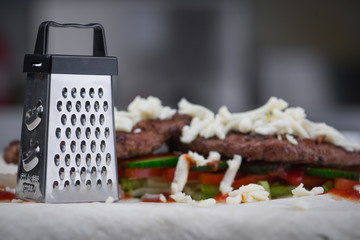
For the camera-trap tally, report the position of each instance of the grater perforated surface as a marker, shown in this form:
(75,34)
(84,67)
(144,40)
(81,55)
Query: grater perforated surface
(81,160)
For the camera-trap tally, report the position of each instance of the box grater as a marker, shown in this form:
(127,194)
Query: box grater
(67,151)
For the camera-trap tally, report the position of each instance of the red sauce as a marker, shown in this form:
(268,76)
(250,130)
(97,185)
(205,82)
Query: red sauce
(221,198)
(347,194)
(6,196)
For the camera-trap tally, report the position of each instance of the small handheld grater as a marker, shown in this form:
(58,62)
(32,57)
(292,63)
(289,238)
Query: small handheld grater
(67,151)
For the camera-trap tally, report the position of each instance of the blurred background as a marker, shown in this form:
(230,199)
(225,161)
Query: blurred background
(214,53)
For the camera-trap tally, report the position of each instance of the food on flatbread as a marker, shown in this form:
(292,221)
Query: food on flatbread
(280,150)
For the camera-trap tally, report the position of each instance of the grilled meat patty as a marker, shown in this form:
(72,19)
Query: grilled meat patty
(149,135)
(271,149)
(153,134)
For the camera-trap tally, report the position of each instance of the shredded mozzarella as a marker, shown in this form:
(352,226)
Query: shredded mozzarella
(229,176)
(273,118)
(181,174)
(248,193)
(141,109)
(300,191)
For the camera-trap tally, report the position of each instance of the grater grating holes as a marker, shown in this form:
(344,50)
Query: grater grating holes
(67,185)
(64,92)
(108,159)
(88,159)
(107,132)
(57,159)
(105,106)
(92,160)
(56,185)
(97,132)
(103,172)
(82,92)
(72,173)
(73,92)
(67,159)
(83,173)
(78,160)
(100,92)
(109,183)
(62,146)
(93,146)
(93,172)
(92,119)
(83,146)
(58,132)
(68,133)
(87,106)
(78,133)
(77,184)
(63,119)
(62,173)
(96,106)
(88,184)
(88,132)
(98,184)
(83,119)
(102,146)
(73,146)
(68,106)
(101,119)
(91,92)
(98,159)
(59,106)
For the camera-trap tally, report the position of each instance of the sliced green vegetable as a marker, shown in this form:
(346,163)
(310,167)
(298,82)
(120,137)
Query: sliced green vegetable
(328,185)
(265,185)
(205,191)
(129,185)
(281,191)
(332,173)
(217,166)
(258,168)
(155,161)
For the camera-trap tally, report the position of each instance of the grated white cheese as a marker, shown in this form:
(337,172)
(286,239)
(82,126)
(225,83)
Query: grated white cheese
(207,202)
(201,161)
(141,109)
(291,139)
(110,200)
(181,197)
(181,174)
(273,118)
(300,191)
(229,176)
(248,193)
(357,188)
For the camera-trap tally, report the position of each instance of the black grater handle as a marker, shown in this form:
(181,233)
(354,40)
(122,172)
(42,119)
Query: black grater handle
(99,44)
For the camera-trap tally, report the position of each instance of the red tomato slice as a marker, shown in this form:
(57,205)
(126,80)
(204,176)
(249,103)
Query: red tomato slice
(253,178)
(169,173)
(210,178)
(344,184)
(313,181)
(143,172)
(294,177)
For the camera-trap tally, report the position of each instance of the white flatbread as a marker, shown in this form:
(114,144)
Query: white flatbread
(319,217)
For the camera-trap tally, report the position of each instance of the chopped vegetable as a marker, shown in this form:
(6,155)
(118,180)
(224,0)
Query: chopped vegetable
(281,191)
(345,184)
(332,173)
(153,161)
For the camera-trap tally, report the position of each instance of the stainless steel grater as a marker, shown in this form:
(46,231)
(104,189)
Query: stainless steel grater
(67,151)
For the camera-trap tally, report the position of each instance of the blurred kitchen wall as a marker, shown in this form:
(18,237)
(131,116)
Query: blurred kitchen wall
(234,53)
